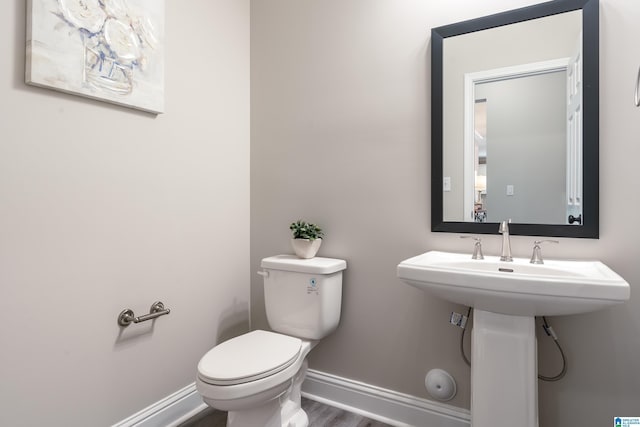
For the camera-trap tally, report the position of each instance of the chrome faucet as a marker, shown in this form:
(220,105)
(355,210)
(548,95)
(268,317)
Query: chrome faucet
(506,245)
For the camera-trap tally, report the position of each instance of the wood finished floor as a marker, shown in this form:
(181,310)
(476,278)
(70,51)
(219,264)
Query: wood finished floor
(320,415)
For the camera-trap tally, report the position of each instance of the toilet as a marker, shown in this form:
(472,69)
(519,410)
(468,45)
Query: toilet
(257,376)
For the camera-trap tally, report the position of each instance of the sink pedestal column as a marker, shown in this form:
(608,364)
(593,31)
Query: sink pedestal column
(504,371)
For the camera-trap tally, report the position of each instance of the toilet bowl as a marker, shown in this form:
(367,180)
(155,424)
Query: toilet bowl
(259,387)
(257,376)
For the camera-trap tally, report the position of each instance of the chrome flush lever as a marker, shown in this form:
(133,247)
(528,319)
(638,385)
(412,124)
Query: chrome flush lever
(637,94)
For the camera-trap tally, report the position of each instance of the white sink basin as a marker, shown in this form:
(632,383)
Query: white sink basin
(519,288)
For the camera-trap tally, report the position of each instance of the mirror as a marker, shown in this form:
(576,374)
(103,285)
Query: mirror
(515,121)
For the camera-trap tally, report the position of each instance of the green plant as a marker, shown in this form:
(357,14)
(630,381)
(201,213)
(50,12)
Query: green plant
(305,230)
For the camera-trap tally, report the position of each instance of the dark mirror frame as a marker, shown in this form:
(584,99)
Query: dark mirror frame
(590,130)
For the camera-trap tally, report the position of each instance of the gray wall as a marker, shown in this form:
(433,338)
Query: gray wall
(340,135)
(146,208)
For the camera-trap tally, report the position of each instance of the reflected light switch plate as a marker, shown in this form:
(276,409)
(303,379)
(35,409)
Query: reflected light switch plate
(446,183)
(509,190)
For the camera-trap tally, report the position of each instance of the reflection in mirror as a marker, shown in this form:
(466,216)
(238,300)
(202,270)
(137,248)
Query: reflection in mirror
(508,96)
(518,149)
(479,146)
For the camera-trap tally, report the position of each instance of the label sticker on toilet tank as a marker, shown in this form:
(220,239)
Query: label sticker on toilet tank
(312,287)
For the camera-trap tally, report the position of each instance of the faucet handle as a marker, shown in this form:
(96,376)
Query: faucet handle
(536,257)
(477,247)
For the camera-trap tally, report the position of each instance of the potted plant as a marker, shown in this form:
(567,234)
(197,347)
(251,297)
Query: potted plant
(307,238)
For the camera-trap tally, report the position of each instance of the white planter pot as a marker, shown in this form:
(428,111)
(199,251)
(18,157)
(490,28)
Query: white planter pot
(305,248)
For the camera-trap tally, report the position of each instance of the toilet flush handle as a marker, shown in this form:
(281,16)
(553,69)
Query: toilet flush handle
(263,273)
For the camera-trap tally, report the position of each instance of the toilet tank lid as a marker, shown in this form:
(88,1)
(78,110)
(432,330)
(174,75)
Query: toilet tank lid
(316,265)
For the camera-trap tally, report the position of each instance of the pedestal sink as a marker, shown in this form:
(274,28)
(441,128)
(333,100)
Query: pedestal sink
(506,297)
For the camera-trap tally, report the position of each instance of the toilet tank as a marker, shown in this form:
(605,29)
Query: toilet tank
(303,297)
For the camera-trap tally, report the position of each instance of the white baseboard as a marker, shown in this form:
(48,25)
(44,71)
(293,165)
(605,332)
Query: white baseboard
(168,412)
(397,409)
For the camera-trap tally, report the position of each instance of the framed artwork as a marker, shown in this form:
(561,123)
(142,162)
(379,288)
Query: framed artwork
(111,50)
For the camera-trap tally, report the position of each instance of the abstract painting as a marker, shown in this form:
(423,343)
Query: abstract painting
(111,50)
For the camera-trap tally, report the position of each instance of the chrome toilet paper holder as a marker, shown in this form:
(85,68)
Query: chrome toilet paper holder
(126,316)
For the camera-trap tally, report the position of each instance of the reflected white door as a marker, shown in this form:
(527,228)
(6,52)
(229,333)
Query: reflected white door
(574,134)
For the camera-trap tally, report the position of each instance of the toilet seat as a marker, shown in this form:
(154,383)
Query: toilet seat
(249,357)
